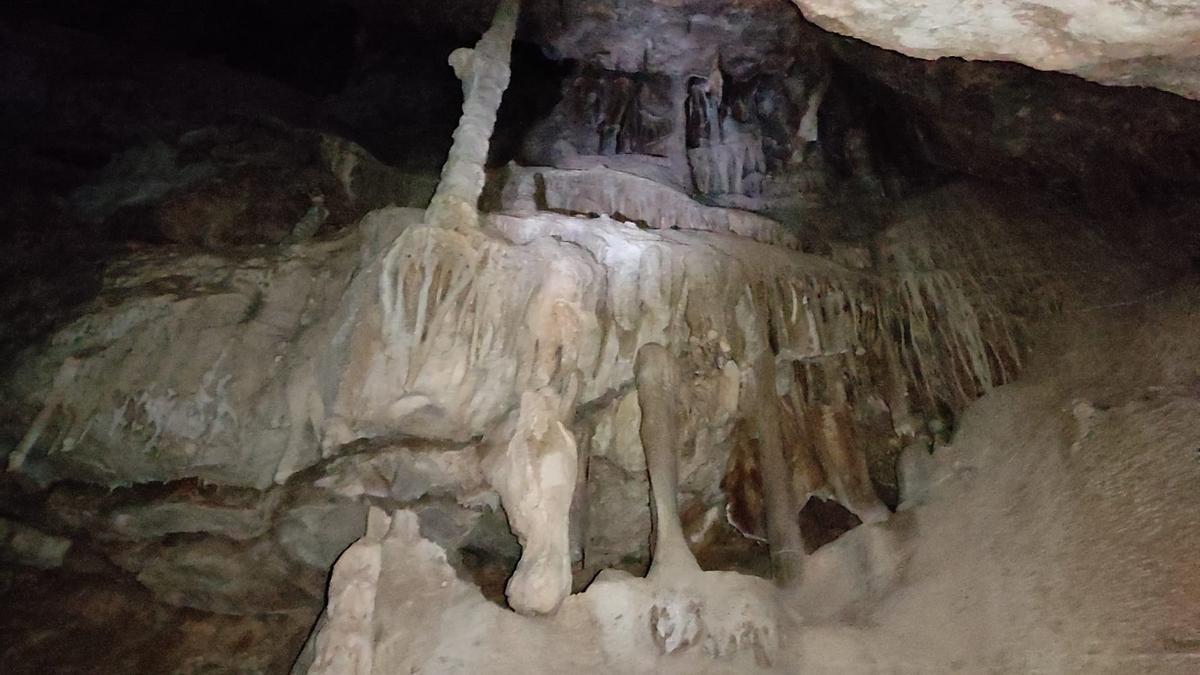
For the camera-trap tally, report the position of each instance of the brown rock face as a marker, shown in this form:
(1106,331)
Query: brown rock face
(1108,147)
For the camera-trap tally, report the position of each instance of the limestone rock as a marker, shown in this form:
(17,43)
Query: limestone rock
(139,176)
(396,605)
(418,339)
(24,545)
(605,191)
(1154,44)
(156,519)
(369,183)
(915,469)
(407,474)
(1005,123)
(210,573)
(317,533)
(678,37)
(220,411)
(428,337)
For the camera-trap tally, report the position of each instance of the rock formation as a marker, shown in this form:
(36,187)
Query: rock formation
(484,72)
(1153,44)
(761,355)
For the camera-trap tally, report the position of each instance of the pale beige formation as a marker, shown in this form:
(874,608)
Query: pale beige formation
(601,190)
(485,72)
(508,333)
(1041,544)
(54,398)
(1155,43)
(533,467)
(590,356)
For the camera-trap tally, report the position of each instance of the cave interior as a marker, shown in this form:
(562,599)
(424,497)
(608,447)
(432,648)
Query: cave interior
(817,342)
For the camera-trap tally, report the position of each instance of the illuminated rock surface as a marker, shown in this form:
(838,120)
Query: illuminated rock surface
(726,345)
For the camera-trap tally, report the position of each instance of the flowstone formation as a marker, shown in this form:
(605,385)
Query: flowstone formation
(727,365)
(513,344)
(682,614)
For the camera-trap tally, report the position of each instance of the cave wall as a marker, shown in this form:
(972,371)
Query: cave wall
(277,385)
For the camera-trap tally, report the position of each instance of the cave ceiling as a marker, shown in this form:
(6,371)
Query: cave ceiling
(661,36)
(1150,43)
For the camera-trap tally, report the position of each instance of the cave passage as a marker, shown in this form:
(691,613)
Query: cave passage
(343,336)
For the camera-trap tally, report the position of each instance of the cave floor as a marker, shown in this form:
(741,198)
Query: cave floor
(86,618)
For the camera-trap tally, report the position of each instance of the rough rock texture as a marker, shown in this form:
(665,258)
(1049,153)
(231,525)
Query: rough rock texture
(422,333)
(1006,123)
(229,185)
(1080,476)
(177,420)
(683,37)
(24,545)
(736,137)
(209,573)
(90,619)
(395,605)
(1082,479)
(485,73)
(1153,44)
(629,197)
(244,408)
(843,122)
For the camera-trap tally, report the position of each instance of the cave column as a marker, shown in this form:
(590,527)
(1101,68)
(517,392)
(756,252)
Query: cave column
(783,527)
(657,377)
(485,72)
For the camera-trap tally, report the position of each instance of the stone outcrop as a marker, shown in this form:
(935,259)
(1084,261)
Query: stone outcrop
(1005,123)
(241,183)
(1080,476)
(395,604)
(411,332)
(1066,457)
(632,198)
(603,366)
(24,545)
(735,136)
(689,36)
(485,73)
(1150,44)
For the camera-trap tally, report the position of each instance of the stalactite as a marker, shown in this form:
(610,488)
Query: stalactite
(485,74)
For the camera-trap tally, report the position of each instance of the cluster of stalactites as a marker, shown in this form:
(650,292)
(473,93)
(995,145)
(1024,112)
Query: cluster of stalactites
(469,326)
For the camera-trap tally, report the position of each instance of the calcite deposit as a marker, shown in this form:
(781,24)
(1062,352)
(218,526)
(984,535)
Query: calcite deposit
(732,360)
(1150,44)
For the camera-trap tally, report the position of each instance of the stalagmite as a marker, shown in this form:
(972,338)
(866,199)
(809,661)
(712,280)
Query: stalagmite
(533,468)
(342,645)
(485,73)
(723,612)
